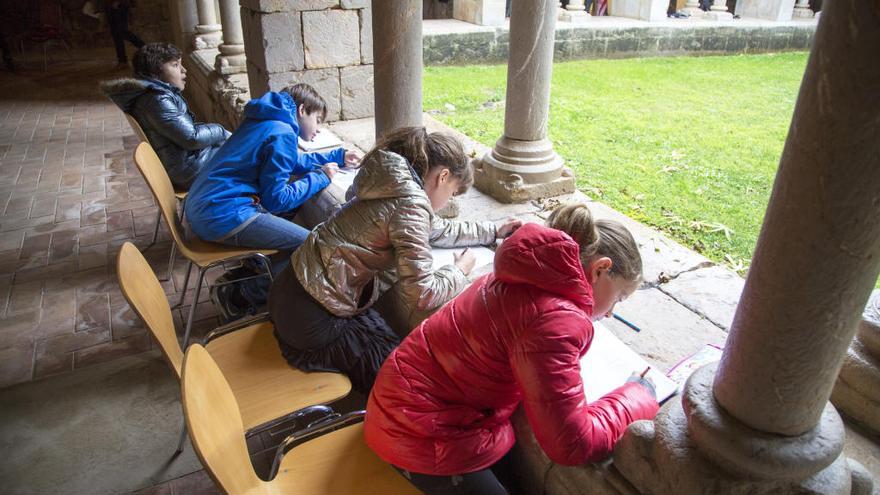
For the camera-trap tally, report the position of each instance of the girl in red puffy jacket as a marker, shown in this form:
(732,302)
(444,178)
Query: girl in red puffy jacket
(441,405)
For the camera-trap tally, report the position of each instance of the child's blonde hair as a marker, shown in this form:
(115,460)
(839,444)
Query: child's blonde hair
(425,151)
(598,238)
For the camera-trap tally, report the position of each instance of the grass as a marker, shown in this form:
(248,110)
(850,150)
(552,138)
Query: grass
(688,145)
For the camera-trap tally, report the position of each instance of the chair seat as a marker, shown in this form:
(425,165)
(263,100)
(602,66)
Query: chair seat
(204,253)
(338,463)
(264,384)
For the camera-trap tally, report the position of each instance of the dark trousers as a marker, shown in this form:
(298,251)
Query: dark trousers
(313,339)
(118,22)
(477,483)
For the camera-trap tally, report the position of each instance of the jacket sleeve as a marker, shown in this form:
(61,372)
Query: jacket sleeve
(278,161)
(546,365)
(311,161)
(164,117)
(451,233)
(423,287)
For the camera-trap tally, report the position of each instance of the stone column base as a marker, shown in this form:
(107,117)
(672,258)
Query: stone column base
(695,447)
(802,13)
(231,59)
(718,15)
(207,36)
(694,12)
(574,16)
(857,390)
(517,171)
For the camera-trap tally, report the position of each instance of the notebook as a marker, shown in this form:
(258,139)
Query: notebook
(325,140)
(445,256)
(609,362)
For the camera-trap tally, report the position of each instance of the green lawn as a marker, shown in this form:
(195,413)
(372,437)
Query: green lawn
(689,145)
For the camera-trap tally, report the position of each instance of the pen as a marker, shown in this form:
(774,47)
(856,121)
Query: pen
(645,372)
(626,322)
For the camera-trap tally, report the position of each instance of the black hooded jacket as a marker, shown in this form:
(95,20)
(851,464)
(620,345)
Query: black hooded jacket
(183,145)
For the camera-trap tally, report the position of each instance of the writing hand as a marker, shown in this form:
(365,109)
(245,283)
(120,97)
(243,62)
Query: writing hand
(352,159)
(330,169)
(465,261)
(507,227)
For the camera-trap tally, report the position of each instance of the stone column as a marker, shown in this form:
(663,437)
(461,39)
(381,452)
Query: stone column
(802,10)
(397,64)
(523,165)
(857,391)
(231,59)
(718,11)
(692,8)
(185,16)
(762,422)
(575,12)
(207,31)
(771,10)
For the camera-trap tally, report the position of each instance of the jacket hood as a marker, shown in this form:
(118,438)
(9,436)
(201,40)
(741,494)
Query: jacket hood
(546,258)
(273,106)
(387,175)
(124,91)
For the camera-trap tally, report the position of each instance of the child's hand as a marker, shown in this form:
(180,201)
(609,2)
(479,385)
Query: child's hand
(506,228)
(643,381)
(352,159)
(330,170)
(465,261)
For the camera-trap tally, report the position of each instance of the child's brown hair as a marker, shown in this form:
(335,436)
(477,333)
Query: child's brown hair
(598,238)
(424,151)
(307,97)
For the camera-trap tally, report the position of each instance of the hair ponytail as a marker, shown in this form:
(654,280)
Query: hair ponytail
(598,238)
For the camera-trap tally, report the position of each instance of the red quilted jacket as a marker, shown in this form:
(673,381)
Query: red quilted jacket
(442,402)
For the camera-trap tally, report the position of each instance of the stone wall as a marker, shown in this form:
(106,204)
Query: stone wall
(491,45)
(326,43)
(211,96)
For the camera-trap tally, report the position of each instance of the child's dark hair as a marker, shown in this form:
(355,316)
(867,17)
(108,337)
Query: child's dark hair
(305,96)
(148,59)
(598,238)
(425,151)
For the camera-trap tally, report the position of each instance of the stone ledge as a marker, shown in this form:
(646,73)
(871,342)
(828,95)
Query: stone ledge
(712,292)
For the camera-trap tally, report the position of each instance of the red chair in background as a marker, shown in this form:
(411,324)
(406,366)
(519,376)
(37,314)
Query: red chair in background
(47,27)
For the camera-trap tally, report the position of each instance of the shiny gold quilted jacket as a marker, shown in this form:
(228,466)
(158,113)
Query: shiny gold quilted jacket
(389,224)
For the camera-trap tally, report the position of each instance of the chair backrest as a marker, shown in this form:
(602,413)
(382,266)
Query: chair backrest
(136,127)
(214,423)
(144,294)
(154,173)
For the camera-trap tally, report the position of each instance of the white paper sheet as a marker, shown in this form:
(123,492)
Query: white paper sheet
(609,362)
(323,141)
(444,256)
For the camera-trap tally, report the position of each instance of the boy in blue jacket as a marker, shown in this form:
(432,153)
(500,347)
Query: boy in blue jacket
(237,198)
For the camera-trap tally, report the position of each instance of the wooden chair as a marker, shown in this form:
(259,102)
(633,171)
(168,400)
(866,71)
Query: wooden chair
(267,387)
(332,458)
(204,255)
(179,194)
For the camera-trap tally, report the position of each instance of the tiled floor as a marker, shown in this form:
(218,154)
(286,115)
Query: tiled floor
(70,196)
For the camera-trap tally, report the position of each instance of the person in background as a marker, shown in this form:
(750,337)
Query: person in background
(440,409)
(153,97)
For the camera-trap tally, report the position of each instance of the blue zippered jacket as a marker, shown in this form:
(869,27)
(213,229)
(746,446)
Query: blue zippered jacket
(256,164)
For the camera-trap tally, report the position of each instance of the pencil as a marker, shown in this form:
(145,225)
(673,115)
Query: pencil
(626,322)
(645,372)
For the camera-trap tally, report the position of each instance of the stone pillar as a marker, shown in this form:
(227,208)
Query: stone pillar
(575,12)
(207,31)
(718,11)
(523,165)
(231,59)
(325,43)
(762,422)
(802,10)
(185,16)
(857,390)
(772,10)
(480,12)
(397,57)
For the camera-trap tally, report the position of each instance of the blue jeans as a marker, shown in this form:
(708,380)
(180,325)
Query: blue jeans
(267,232)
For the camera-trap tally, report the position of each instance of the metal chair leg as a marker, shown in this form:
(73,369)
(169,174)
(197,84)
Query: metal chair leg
(182,439)
(192,308)
(171,261)
(185,284)
(155,231)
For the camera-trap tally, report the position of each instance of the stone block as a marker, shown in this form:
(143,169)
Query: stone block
(480,12)
(646,10)
(356,91)
(713,292)
(273,42)
(325,82)
(771,10)
(269,6)
(366,20)
(331,38)
(355,4)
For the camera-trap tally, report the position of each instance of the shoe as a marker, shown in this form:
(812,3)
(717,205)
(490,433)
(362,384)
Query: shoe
(223,297)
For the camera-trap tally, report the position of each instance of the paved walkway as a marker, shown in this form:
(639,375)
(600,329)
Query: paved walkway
(70,196)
